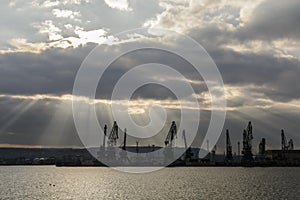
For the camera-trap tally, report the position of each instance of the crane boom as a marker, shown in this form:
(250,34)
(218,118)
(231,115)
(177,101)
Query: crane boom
(113,136)
(171,134)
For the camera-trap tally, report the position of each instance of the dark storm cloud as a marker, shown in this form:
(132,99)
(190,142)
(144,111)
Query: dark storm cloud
(275,76)
(278,76)
(273,20)
(52,71)
(136,58)
(269,21)
(237,69)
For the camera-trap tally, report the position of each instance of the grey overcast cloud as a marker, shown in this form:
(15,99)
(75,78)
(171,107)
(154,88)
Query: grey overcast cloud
(254,43)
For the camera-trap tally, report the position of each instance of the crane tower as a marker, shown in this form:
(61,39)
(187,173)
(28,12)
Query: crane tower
(285,146)
(168,152)
(247,143)
(113,136)
(228,147)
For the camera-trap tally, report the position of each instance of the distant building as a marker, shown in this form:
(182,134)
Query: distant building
(289,157)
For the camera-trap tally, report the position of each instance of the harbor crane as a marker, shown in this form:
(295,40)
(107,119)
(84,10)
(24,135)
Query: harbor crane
(113,136)
(239,148)
(171,134)
(284,145)
(184,138)
(247,143)
(168,152)
(104,137)
(125,138)
(228,147)
(262,147)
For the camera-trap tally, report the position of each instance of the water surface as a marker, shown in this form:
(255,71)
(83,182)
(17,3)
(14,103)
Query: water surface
(49,182)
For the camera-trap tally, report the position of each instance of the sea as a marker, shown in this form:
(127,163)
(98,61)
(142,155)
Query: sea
(50,182)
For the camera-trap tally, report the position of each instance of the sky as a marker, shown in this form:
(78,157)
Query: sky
(255,45)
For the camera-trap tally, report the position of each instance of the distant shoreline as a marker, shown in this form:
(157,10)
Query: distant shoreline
(83,158)
(59,166)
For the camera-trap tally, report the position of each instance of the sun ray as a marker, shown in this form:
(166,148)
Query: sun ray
(17,116)
(58,125)
(16,109)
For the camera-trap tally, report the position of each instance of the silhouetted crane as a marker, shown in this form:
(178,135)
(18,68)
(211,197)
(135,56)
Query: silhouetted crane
(291,145)
(247,143)
(105,133)
(284,145)
(113,136)
(228,147)
(171,134)
(262,146)
(124,142)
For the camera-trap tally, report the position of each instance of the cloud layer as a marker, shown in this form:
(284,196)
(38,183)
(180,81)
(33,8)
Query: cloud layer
(255,44)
